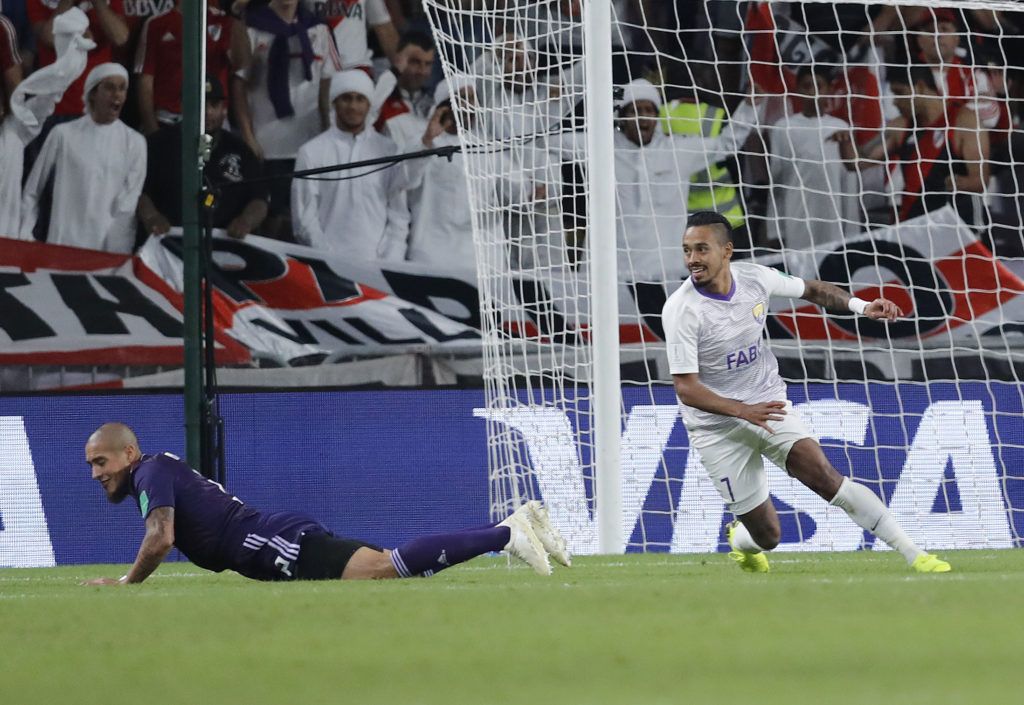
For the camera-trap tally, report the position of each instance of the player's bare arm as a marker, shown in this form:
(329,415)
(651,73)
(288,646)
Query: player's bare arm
(693,393)
(831,297)
(156,544)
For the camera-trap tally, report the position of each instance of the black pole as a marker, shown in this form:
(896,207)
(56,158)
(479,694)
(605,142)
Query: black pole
(212,424)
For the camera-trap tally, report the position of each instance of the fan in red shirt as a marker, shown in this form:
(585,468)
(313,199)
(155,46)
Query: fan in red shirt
(159,58)
(943,152)
(107,27)
(136,12)
(938,43)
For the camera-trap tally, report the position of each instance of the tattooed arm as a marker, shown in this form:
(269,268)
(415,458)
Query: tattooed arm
(831,297)
(156,544)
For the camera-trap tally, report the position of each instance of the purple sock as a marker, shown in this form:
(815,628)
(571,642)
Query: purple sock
(427,555)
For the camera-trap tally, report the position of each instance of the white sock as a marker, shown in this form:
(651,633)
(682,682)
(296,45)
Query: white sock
(743,541)
(868,512)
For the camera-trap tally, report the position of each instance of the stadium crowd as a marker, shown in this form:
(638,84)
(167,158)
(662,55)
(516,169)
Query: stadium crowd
(873,115)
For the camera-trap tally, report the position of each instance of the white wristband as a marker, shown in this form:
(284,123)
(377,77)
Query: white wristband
(858,305)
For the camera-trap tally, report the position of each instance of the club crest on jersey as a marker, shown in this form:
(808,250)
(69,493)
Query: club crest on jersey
(759,311)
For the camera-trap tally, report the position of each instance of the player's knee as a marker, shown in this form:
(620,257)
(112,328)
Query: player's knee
(385,568)
(824,481)
(808,464)
(369,564)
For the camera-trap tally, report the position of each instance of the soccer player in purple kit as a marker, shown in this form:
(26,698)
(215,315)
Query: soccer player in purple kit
(217,531)
(734,401)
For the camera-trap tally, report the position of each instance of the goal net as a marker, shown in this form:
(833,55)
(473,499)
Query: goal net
(871,146)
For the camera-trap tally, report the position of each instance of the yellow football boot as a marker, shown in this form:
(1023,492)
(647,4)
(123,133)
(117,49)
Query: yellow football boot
(751,562)
(928,563)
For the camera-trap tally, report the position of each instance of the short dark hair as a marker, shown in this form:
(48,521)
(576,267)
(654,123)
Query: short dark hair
(700,218)
(911,74)
(421,39)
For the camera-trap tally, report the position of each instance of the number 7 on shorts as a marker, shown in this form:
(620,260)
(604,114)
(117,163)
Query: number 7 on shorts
(728,486)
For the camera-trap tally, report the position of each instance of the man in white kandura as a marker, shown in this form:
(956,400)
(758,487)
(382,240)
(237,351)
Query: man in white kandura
(99,166)
(29,102)
(734,401)
(360,214)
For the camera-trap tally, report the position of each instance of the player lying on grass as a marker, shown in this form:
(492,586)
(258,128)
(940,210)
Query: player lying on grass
(218,532)
(734,401)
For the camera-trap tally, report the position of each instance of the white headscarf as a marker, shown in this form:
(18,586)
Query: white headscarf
(98,74)
(639,89)
(351,81)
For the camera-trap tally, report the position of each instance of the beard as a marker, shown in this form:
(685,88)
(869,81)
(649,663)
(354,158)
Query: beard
(118,494)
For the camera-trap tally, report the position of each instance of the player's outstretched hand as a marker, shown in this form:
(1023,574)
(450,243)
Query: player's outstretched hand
(761,414)
(883,310)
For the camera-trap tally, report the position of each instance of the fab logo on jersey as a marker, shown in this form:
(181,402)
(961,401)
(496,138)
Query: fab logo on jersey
(743,356)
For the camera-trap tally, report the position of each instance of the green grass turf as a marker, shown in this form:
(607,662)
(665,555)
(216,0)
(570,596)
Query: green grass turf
(821,628)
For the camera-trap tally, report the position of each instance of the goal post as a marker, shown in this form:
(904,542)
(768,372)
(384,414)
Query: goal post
(871,146)
(604,300)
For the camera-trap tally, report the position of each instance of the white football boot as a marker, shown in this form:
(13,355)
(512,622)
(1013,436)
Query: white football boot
(552,541)
(524,544)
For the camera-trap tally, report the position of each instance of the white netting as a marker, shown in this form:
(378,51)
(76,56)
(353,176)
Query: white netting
(866,145)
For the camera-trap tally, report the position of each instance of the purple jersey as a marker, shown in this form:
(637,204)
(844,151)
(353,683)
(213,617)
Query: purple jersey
(215,530)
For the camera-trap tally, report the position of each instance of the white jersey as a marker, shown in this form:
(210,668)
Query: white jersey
(721,338)
(281,137)
(348,20)
(814,197)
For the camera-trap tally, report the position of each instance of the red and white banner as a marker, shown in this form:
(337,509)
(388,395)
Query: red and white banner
(65,306)
(293,305)
(949,285)
(61,305)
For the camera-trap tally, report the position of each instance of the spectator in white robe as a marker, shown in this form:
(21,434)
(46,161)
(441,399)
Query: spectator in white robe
(652,175)
(516,98)
(363,213)
(813,200)
(519,106)
(32,101)
(99,166)
(442,222)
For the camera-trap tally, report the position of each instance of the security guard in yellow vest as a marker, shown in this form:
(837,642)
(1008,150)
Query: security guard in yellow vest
(712,189)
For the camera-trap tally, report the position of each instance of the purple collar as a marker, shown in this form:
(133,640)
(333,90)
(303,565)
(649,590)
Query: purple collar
(717,297)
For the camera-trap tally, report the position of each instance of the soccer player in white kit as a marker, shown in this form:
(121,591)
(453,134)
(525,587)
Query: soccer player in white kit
(734,401)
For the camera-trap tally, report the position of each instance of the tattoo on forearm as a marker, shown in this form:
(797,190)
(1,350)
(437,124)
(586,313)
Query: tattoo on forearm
(826,295)
(159,525)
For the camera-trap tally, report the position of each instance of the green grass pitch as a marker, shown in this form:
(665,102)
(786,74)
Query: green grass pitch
(821,628)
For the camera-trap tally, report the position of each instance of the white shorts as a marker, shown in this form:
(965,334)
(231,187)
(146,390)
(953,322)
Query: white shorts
(733,457)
